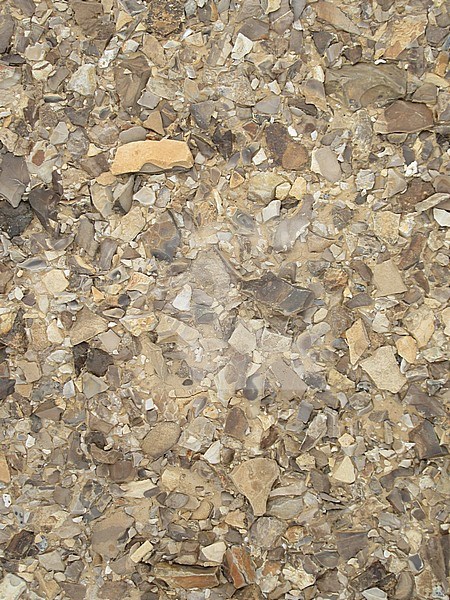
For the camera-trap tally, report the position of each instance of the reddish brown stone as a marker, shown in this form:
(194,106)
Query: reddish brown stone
(187,577)
(239,566)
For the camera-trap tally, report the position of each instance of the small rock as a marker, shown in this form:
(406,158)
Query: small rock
(187,577)
(407,348)
(55,281)
(214,552)
(12,587)
(7,387)
(87,326)
(329,12)
(162,238)
(262,186)
(426,441)
(5,476)
(325,163)
(254,479)
(239,566)
(358,340)
(107,532)
(384,370)
(420,323)
(344,471)
(162,437)
(387,279)
(152,157)
(142,553)
(84,80)
(405,117)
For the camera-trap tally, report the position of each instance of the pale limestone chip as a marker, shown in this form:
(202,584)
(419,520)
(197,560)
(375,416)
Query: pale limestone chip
(169,328)
(162,155)
(84,80)
(214,552)
(386,225)
(299,577)
(129,225)
(407,348)
(254,479)
(162,437)
(242,47)
(388,279)
(324,162)
(137,322)
(5,476)
(272,6)
(55,281)
(420,324)
(344,471)
(12,587)
(86,326)
(107,532)
(446,320)
(142,553)
(383,369)
(242,340)
(358,340)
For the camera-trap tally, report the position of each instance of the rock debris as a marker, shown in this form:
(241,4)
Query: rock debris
(224,299)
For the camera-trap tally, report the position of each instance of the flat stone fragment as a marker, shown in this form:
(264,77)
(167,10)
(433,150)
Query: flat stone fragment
(420,323)
(142,553)
(107,532)
(5,476)
(84,80)
(387,279)
(383,369)
(187,577)
(345,471)
(358,340)
(55,281)
(12,587)
(407,348)
(262,186)
(254,478)
(405,117)
(324,162)
(214,552)
(162,238)
(251,592)
(161,438)
(160,155)
(363,84)
(279,294)
(86,326)
(240,567)
(426,441)
(329,12)
(14,178)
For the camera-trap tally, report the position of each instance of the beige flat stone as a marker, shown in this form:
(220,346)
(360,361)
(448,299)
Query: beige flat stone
(5,476)
(420,324)
(387,279)
(358,341)
(87,325)
(407,348)
(161,155)
(254,478)
(383,369)
(344,471)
